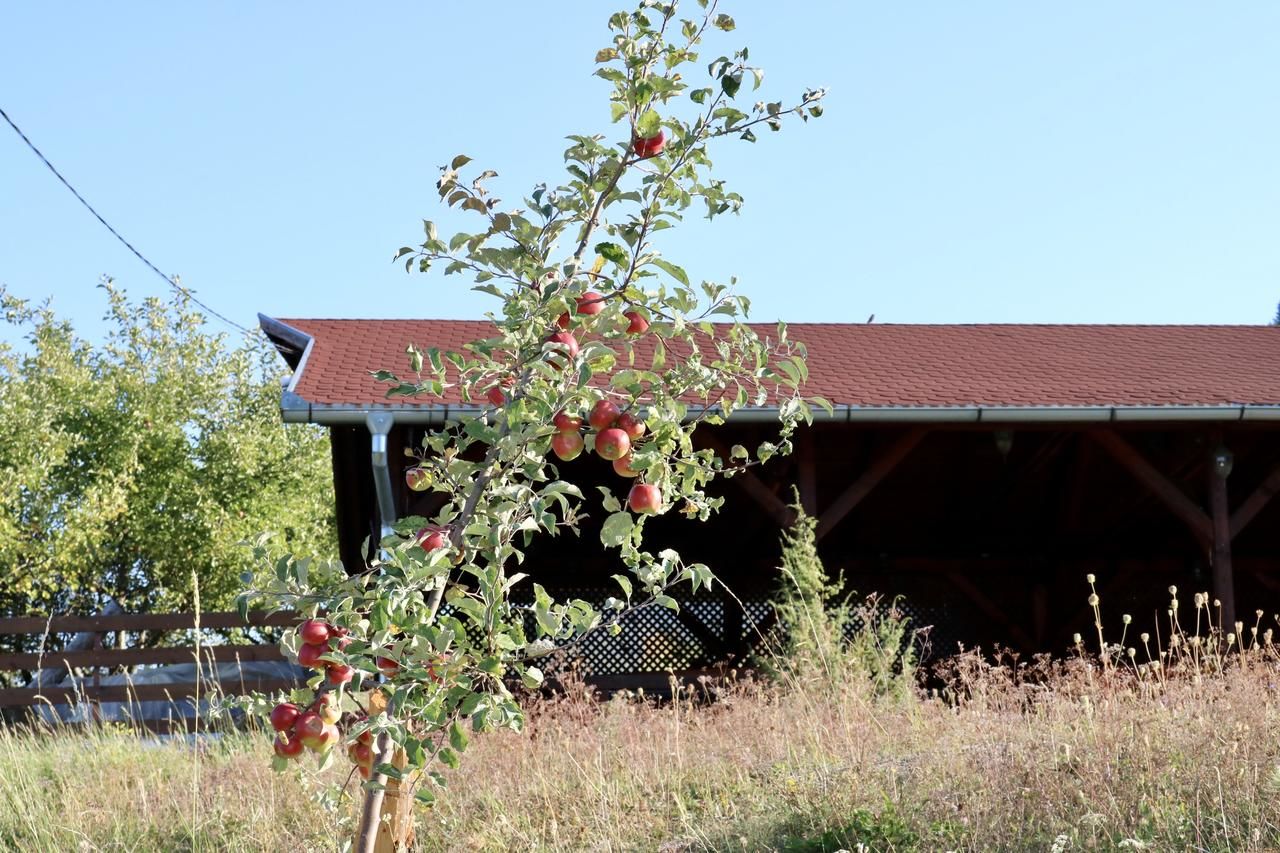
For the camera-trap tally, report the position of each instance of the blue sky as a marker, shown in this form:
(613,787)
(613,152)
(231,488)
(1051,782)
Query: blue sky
(978,162)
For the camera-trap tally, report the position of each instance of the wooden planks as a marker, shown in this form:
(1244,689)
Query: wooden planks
(143,622)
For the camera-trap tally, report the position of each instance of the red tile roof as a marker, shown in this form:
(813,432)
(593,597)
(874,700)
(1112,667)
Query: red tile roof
(872,365)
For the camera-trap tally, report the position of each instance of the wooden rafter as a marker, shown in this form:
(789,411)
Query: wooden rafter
(1173,497)
(1255,502)
(991,609)
(861,487)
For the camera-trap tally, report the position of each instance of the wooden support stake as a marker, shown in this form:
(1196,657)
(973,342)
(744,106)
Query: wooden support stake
(1224,584)
(861,487)
(1165,489)
(1255,502)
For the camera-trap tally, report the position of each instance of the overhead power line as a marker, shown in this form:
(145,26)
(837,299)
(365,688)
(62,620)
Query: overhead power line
(171,280)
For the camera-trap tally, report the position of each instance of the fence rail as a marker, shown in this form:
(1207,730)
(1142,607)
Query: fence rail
(88,689)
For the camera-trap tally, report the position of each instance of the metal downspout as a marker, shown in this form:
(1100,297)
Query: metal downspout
(380,424)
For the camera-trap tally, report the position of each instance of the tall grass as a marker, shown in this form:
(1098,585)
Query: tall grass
(1166,740)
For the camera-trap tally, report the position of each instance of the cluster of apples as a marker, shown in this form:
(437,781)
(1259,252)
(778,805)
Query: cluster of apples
(318,639)
(314,727)
(319,727)
(615,432)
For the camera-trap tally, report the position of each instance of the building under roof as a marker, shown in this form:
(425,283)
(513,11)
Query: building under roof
(979,471)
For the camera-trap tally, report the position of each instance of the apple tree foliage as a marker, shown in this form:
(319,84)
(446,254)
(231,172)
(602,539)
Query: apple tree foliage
(126,466)
(446,617)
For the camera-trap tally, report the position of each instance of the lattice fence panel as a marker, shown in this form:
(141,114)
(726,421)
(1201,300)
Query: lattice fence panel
(656,639)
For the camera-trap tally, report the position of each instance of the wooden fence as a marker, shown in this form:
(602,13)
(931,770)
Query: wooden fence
(91,662)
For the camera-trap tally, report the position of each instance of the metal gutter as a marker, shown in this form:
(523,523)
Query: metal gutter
(297,410)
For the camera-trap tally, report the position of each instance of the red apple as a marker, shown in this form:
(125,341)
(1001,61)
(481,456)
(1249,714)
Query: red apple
(612,443)
(497,394)
(309,725)
(603,414)
(590,303)
(648,146)
(631,425)
(309,656)
(417,479)
(622,465)
(645,498)
(315,632)
(566,423)
(361,754)
(432,538)
(340,673)
(638,325)
(287,747)
(284,715)
(365,771)
(328,736)
(567,445)
(326,706)
(563,320)
(435,669)
(566,340)
(388,666)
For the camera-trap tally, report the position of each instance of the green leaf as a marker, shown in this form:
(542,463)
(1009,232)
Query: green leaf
(459,161)
(724,22)
(612,252)
(457,737)
(672,270)
(617,110)
(667,602)
(648,124)
(625,583)
(616,529)
(606,54)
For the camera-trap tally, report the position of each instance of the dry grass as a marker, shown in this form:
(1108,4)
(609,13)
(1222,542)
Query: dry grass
(1088,761)
(1097,752)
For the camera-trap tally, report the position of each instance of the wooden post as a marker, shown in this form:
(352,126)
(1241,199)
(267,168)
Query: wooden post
(1224,586)
(807,470)
(395,833)
(394,814)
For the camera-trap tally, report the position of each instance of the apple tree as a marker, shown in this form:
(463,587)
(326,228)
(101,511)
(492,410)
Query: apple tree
(600,344)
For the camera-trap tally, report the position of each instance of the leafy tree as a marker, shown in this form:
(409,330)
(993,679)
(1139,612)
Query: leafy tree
(127,466)
(594,324)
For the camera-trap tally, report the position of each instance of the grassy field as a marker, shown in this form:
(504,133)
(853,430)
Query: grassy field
(1070,756)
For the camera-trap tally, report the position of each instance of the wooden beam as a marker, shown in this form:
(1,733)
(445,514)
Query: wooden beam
(807,470)
(1164,488)
(1224,582)
(1255,502)
(991,609)
(861,487)
(747,480)
(1266,580)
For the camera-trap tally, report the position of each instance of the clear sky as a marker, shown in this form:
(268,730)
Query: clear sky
(978,162)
